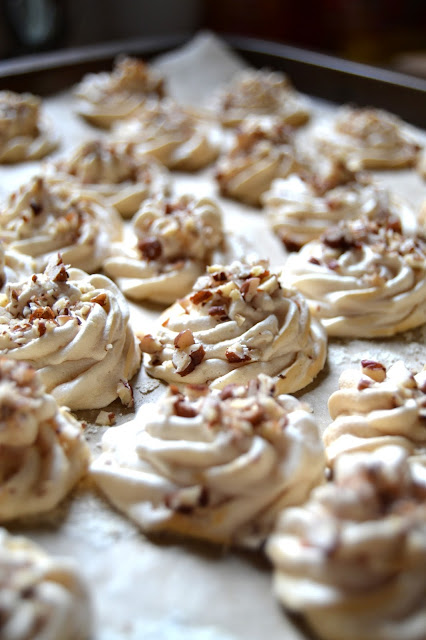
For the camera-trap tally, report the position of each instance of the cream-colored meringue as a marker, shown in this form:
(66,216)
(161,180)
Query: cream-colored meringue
(375,407)
(261,152)
(24,135)
(45,216)
(42,450)
(367,138)
(264,94)
(173,135)
(13,266)
(176,239)
(299,212)
(74,328)
(41,597)
(213,465)
(352,560)
(363,278)
(239,321)
(108,97)
(114,171)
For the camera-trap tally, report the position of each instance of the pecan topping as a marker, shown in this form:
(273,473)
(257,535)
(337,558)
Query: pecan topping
(150,248)
(183,409)
(196,357)
(42,312)
(233,357)
(148,344)
(337,238)
(374,370)
(218,311)
(201,296)
(184,339)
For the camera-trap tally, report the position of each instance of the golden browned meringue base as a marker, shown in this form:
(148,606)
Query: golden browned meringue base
(218,466)
(42,449)
(264,94)
(239,321)
(74,328)
(375,407)
(42,597)
(261,153)
(352,560)
(368,138)
(46,216)
(115,172)
(176,239)
(363,279)
(108,97)
(24,135)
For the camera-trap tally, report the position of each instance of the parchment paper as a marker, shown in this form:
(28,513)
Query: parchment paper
(166,588)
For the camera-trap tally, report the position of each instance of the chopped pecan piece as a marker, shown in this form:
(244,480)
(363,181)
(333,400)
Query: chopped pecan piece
(148,344)
(101,299)
(150,248)
(201,296)
(42,312)
(374,370)
(196,357)
(184,339)
(234,358)
(183,409)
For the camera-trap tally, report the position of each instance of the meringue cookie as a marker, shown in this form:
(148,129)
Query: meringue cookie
(42,450)
(176,240)
(213,465)
(24,134)
(115,172)
(299,212)
(264,94)
(368,139)
(41,597)
(261,152)
(238,322)
(375,407)
(173,135)
(74,328)
(44,217)
(363,279)
(352,560)
(108,97)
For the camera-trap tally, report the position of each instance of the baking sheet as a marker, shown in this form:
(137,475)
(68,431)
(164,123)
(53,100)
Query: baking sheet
(148,589)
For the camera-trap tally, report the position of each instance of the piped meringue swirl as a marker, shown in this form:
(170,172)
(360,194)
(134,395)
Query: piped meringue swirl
(114,171)
(352,560)
(42,450)
(46,216)
(363,278)
(367,138)
(261,152)
(74,328)
(375,406)
(213,465)
(23,133)
(176,239)
(42,597)
(172,134)
(239,321)
(263,94)
(108,97)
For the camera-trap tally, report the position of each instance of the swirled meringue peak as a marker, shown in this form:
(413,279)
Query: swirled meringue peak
(176,239)
(74,328)
(46,216)
(172,134)
(239,321)
(213,465)
(42,450)
(13,266)
(41,597)
(261,152)
(375,406)
(108,97)
(114,171)
(300,208)
(23,133)
(363,278)
(263,94)
(366,138)
(353,558)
